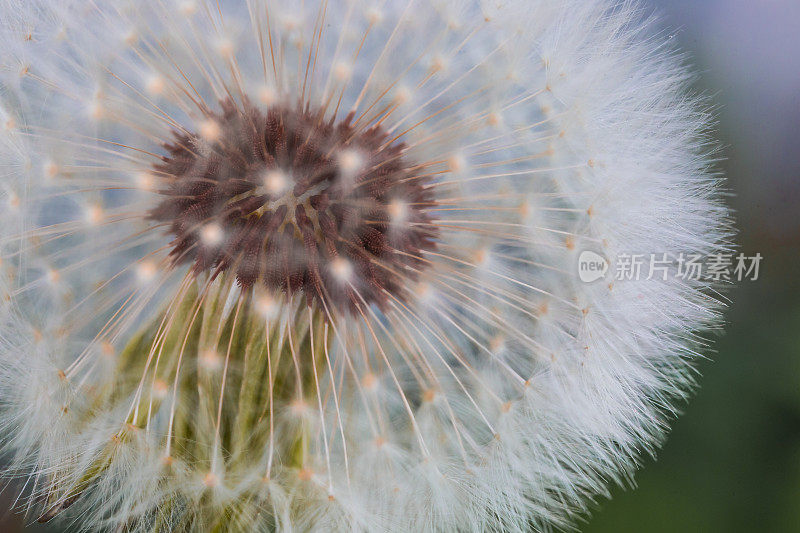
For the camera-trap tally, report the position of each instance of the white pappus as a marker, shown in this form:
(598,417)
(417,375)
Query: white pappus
(279,265)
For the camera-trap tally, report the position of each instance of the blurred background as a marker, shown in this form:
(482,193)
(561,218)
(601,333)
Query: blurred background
(732,461)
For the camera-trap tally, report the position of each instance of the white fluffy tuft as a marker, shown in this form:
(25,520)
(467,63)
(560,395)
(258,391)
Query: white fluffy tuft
(499,393)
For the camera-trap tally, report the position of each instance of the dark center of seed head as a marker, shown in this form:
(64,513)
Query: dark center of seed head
(295,202)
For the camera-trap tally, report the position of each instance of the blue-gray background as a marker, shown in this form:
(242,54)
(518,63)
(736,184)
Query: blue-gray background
(732,462)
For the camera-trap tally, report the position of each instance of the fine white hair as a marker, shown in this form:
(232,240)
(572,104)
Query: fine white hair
(496,391)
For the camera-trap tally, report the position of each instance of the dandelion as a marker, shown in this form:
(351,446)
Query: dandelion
(280,265)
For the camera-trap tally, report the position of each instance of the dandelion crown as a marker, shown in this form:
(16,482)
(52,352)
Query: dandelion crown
(271,265)
(295,202)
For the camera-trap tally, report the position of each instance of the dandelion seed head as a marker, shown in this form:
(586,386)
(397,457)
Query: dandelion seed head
(271,265)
